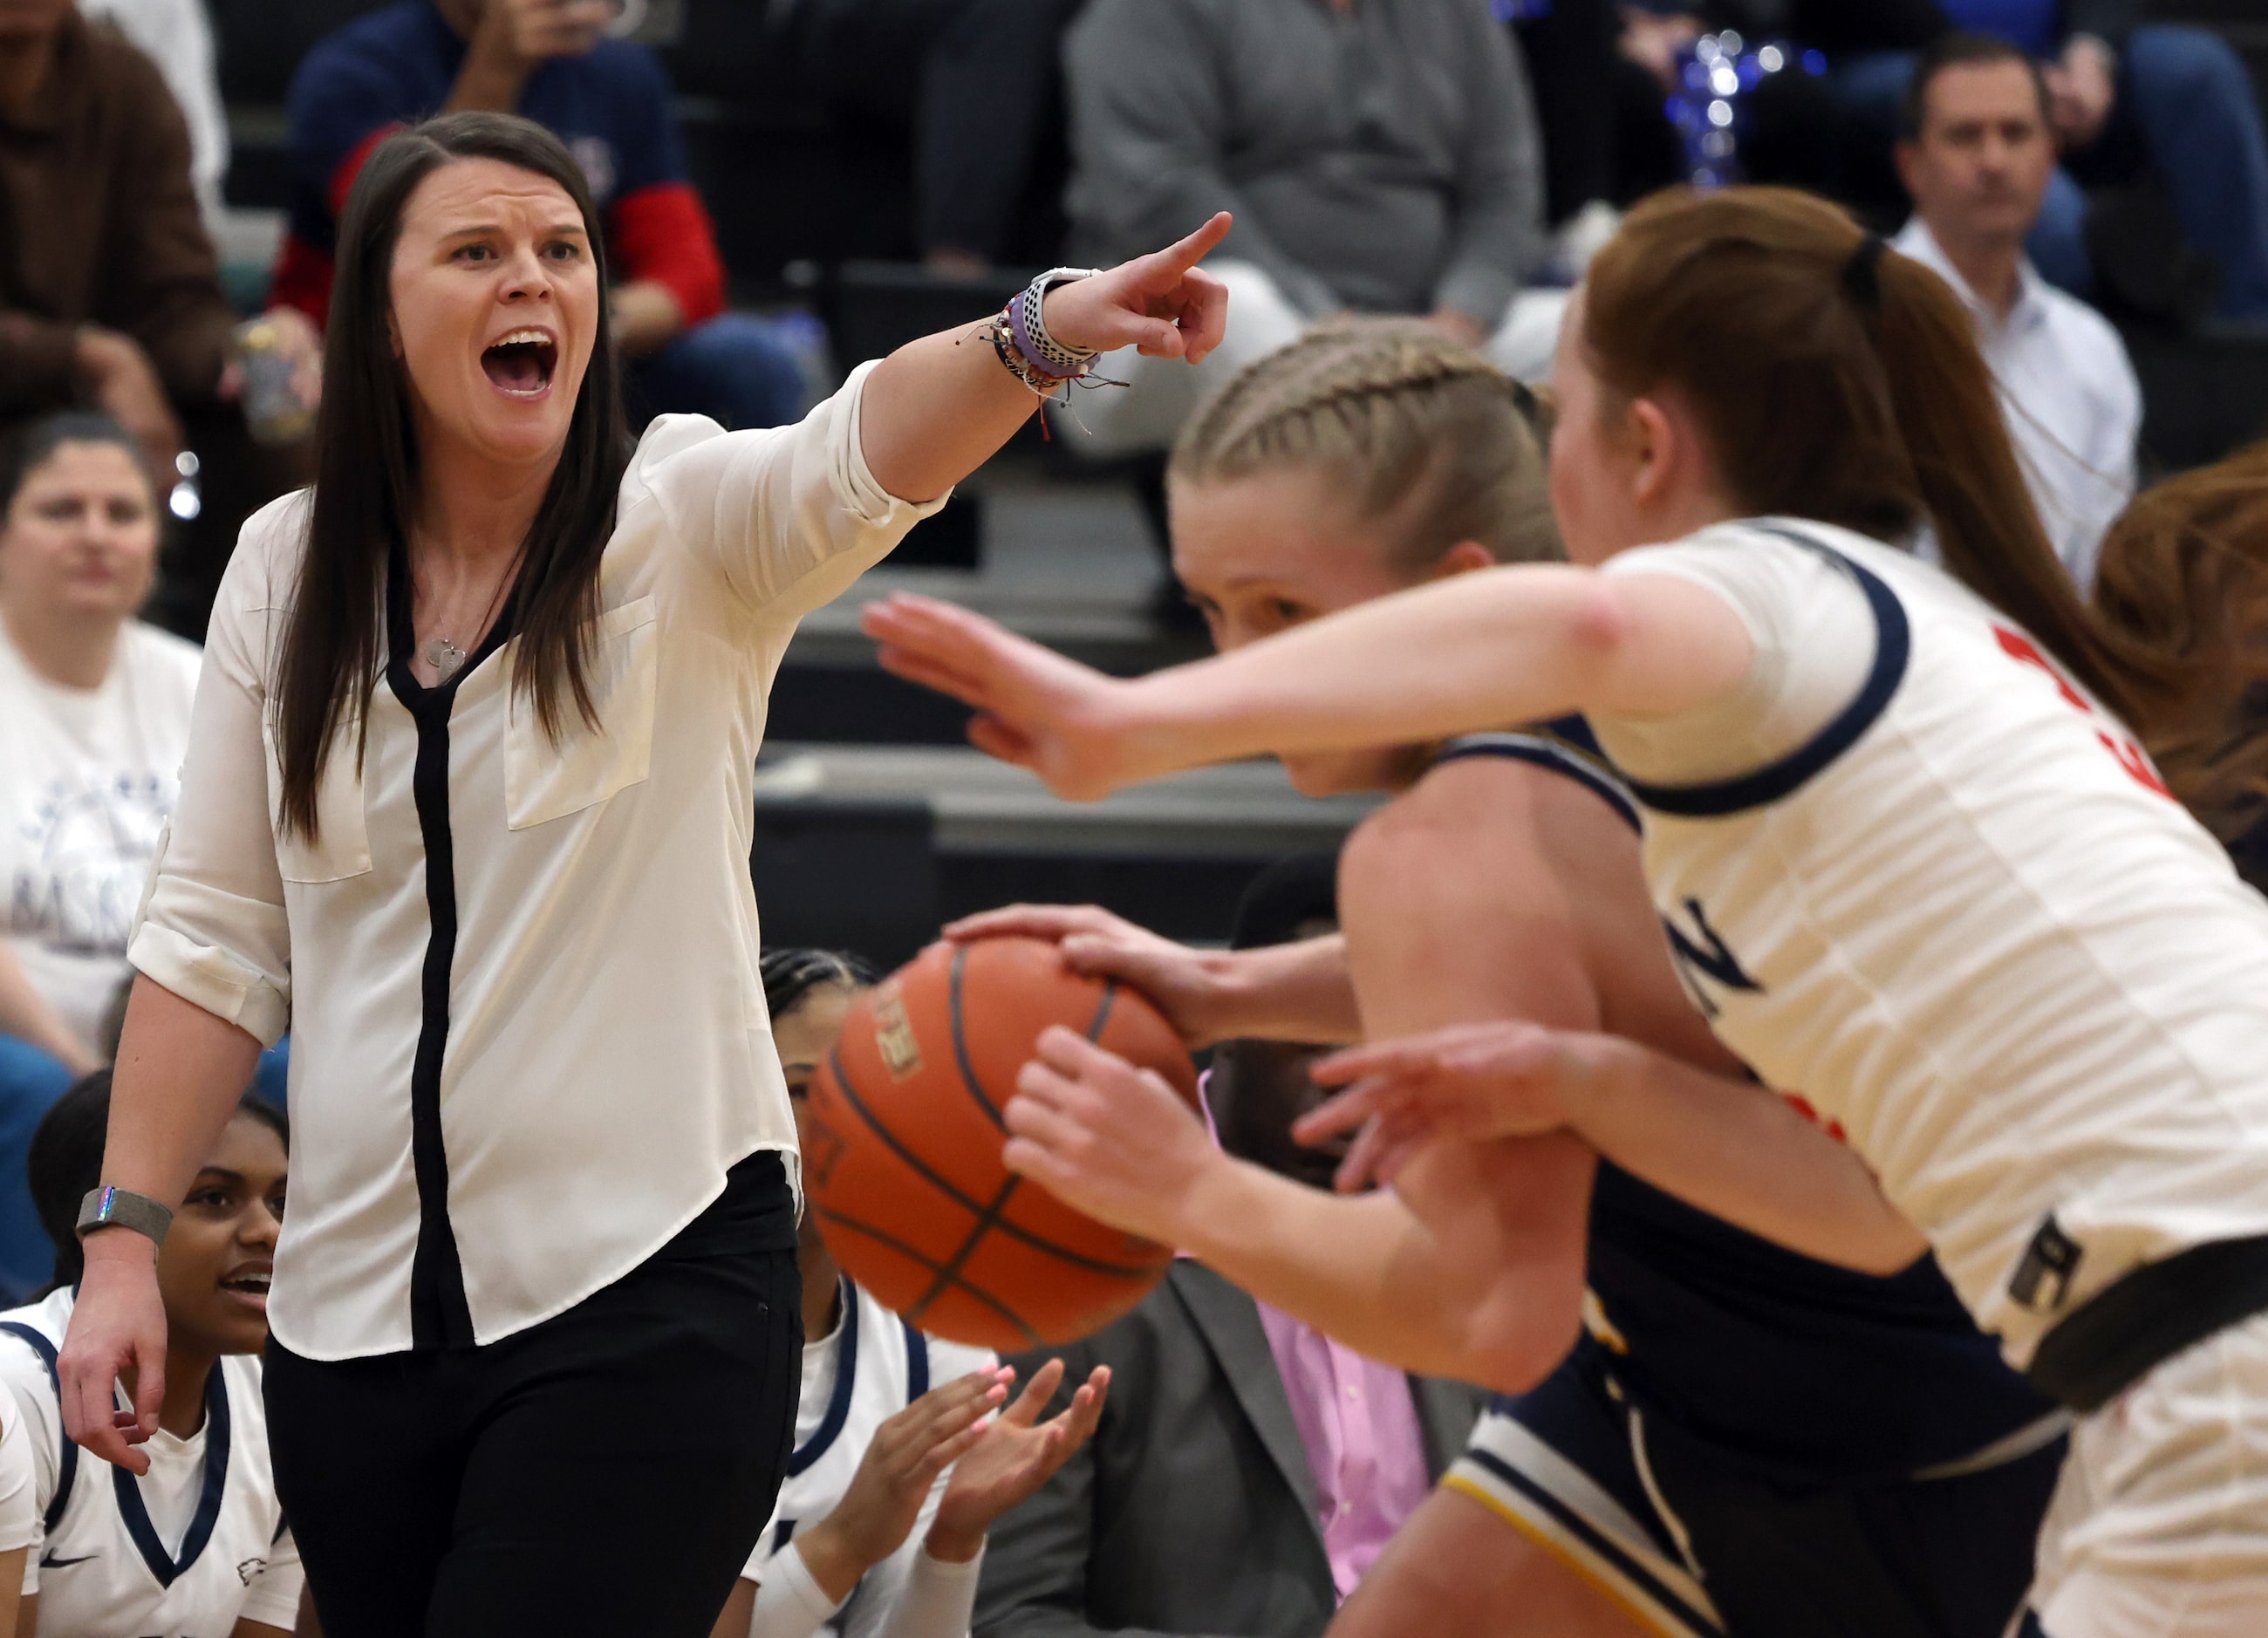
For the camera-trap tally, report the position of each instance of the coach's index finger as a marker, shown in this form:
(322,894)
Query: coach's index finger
(1178,258)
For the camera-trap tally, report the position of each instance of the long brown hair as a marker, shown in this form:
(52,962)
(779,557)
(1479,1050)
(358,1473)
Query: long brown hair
(1426,438)
(1836,380)
(2184,579)
(366,478)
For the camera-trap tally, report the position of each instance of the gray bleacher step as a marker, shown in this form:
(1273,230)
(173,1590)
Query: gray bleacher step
(977,805)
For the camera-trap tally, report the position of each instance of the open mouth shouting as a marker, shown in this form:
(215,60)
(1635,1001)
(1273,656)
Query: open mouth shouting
(521,361)
(248,1284)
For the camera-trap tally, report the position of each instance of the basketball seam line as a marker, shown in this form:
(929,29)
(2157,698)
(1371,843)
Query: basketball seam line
(1014,1231)
(898,1246)
(949,1275)
(961,1043)
(1101,1013)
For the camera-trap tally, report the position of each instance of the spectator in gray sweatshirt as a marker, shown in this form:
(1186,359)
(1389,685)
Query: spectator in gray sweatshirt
(1381,156)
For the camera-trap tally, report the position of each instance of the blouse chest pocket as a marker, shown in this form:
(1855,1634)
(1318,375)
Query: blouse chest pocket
(547,779)
(340,847)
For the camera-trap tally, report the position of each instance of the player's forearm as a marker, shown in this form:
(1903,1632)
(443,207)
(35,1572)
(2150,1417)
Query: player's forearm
(1738,1151)
(938,1600)
(790,1602)
(1365,1270)
(1299,992)
(1502,646)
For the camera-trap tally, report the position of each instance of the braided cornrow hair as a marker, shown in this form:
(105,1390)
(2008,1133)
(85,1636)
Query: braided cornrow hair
(1429,439)
(791,974)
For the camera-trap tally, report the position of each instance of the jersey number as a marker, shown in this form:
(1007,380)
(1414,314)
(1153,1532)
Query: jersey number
(2123,748)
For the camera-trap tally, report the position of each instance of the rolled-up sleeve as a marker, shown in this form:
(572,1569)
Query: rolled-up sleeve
(212,927)
(788,516)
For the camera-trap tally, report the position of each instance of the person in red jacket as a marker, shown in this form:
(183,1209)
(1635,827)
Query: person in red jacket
(607,99)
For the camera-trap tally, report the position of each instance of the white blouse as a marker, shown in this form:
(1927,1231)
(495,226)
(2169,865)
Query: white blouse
(529,1035)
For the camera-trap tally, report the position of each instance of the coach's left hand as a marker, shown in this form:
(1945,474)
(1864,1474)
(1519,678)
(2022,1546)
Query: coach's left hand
(1017,1454)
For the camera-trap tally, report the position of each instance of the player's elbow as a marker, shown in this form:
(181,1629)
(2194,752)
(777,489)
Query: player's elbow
(1512,1346)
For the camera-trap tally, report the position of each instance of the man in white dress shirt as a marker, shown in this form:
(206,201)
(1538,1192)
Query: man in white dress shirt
(1976,158)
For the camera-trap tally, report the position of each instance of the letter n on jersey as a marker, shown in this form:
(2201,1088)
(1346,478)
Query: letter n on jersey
(1703,959)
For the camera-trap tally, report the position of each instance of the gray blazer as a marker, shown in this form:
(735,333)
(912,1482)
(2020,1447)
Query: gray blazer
(1193,1507)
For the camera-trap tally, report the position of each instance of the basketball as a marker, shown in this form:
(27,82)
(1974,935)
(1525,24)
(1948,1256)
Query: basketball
(904,1165)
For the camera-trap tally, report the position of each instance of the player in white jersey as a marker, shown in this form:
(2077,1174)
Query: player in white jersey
(897,1473)
(20,1510)
(1898,831)
(196,1547)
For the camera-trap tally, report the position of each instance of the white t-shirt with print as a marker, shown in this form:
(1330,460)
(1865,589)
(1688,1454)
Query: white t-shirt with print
(88,777)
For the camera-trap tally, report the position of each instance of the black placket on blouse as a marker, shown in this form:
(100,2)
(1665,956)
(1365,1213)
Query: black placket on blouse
(439,1315)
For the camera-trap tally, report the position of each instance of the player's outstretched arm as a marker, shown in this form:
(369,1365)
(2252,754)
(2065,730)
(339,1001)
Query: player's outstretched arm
(1730,1147)
(1297,991)
(1515,644)
(938,409)
(1119,1144)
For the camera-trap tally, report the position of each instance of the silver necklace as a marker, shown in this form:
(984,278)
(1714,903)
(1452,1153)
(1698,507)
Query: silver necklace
(446,658)
(441,652)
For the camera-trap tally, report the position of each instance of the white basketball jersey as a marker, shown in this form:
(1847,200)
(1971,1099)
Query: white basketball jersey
(186,1551)
(872,1367)
(1913,872)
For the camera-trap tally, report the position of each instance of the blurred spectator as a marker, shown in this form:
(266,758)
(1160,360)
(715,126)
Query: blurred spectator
(978,87)
(1247,1469)
(1380,157)
(109,291)
(1976,158)
(608,100)
(94,717)
(177,36)
(2127,100)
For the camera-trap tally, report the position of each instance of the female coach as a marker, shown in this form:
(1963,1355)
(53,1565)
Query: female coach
(467,802)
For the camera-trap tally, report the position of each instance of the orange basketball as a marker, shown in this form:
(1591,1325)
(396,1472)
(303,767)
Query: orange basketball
(904,1165)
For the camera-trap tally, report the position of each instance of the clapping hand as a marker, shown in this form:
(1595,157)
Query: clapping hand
(1016,1455)
(880,1509)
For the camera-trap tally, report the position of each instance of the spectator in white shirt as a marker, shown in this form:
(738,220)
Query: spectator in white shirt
(467,802)
(94,717)
(1977,158)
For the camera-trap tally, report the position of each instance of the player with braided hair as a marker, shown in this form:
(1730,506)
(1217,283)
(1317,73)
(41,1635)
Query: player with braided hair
(1910,854)
(1743,1440)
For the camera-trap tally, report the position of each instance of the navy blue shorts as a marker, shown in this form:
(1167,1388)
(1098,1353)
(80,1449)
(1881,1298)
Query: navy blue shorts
(1692,1544)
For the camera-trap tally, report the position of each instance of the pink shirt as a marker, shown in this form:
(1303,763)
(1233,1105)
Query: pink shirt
(1364,1447)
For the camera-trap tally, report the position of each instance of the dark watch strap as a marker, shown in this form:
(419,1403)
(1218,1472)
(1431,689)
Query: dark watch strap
(108,1208)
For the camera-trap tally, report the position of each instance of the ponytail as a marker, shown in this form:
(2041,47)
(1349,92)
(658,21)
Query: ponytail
(2183,587)
(1836,380)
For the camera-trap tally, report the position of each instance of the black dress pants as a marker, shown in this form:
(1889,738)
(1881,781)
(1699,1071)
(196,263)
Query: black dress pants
(607,1472)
